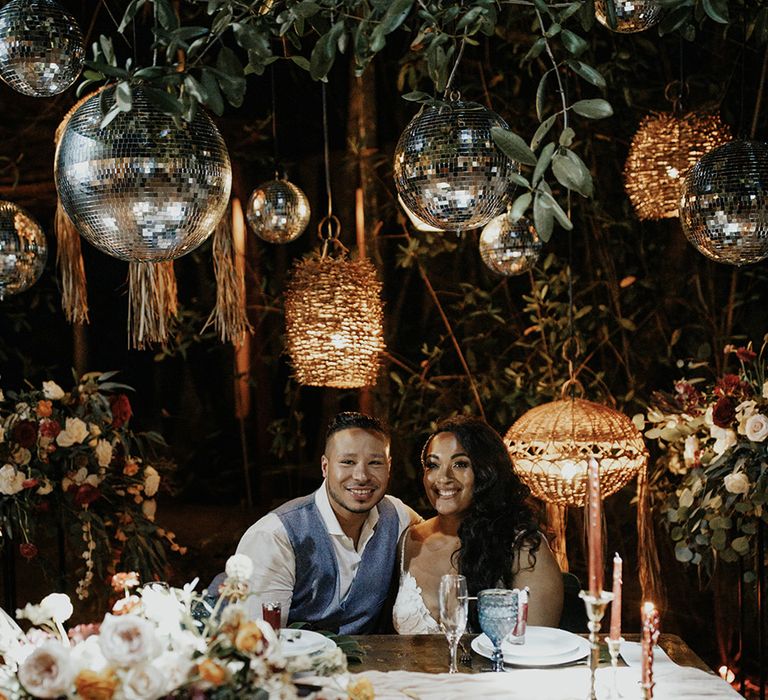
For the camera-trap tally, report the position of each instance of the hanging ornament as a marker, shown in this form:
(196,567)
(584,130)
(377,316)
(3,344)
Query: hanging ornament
(41,47)
(278,211)
(23,250)
(724,203)
(416,222)
(510,248)
(142,188)
(448,171)
(631,15)
(663,149)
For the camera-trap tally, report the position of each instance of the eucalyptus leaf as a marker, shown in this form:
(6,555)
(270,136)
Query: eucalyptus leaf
(716,10)
(569,174)
(513,146)
(573,43)
(557,210)
(545,158)
(520,206)
(590,74)
(124,97)
(166,102)
(543,218)
(540,95)
(542,131)
(593,109)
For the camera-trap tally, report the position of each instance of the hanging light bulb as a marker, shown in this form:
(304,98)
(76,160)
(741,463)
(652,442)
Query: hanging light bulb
(278,211)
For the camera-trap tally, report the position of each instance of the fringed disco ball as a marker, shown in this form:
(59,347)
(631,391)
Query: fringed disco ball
(448,171)
(142,189)
(510,248)
(23,250)
(278,211)
(664,148)
(416,222)
(724,203)
(334,322)
(41,47)
(631,15)
(551,446)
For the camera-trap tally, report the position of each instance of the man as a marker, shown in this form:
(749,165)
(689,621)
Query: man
(328,557)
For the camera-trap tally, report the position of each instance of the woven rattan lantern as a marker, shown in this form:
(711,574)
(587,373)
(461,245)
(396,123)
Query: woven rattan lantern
(663,149)
(550,446)
(334,321)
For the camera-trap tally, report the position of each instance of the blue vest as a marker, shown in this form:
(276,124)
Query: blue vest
(317,572)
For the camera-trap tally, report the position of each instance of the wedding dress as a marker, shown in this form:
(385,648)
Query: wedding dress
(410,615)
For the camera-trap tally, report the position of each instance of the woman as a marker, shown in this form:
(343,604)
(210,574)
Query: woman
(483,529)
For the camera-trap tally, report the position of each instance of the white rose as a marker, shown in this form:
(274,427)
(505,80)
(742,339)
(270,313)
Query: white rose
(94,429)
(11,480)
(126,640)
(151,481)
(75,431)
(144,682)
(756,428)
(691,450)
(176,669)
(765,390)
(239,566)
(724,439)
(87,655)
(149,508)
(736,483)
(46,672)
(21,456)
(52,391)
(103,453)
(34,613)
(58,606)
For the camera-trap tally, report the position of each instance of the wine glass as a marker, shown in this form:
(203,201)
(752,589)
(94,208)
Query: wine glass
(453,612)
(497,610)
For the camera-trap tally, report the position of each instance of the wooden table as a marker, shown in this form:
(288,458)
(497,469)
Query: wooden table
(429,653)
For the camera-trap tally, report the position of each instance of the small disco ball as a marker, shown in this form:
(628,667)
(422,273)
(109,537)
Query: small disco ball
(41,47)
(510,248)
(278,211)
(448,171)
(663,149)
(631,15)
(724,205)
(142,188)
(23,250)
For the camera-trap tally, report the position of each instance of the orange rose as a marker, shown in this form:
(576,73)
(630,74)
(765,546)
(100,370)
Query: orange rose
(44,408)
(95,686)
(361,689)
(249,638)
(131,469)
(211,672)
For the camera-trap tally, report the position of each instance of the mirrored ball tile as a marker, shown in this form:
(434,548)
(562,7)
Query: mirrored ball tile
(724,204)
(41,47)
(142,188)
(631,15)
(278,211)
(510,248)
(23,249)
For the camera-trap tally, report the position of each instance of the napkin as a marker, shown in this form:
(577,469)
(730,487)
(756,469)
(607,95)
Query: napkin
(632,653)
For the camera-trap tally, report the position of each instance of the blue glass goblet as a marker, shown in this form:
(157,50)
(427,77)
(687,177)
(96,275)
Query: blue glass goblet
(497,610)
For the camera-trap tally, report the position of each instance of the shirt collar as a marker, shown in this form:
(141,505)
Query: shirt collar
(328,515)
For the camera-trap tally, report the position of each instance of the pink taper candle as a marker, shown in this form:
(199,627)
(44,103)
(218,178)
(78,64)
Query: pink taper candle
(616,602)
(594,529)
(650,635)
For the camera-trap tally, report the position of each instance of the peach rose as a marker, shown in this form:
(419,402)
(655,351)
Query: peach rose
(249,638)
(211,672)
(44,408)
(131,469)
(95,686)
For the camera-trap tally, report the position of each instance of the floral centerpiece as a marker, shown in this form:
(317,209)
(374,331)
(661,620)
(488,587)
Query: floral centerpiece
(68,459)
(712,477)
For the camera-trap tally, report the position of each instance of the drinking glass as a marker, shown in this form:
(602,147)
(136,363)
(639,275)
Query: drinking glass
(453,612)
(497,610)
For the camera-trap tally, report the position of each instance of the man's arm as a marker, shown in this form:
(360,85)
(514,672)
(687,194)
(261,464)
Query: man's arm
(274,565)
(406,515)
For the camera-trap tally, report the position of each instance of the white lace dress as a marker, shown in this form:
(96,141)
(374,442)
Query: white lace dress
(410,615)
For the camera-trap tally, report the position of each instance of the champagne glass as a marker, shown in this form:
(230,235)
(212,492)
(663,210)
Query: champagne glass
(497,610)
(453,612)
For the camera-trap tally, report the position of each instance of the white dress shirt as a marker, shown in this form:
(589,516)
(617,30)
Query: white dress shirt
(266,542)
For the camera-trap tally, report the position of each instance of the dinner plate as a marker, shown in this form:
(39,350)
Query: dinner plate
(567,648)
(297,642)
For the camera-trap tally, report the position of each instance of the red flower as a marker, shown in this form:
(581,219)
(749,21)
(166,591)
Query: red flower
(28,550)
(49,428)
(121,410)
(25,433)
(29,483)
(689,397)
(745,354)
(731,385)
(724,412)
(86,494)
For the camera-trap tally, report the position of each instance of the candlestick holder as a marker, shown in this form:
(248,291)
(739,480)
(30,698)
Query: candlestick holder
(595,606)
(614,646)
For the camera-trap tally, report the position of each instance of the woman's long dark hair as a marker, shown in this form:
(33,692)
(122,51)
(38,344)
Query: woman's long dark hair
(499,521)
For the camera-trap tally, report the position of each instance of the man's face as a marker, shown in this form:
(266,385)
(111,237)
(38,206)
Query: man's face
(356,467)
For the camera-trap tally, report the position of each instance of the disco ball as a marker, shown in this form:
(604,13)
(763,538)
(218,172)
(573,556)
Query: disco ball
(448,171)
(23,250)
(41,47)
(142,188)
(416,222)
(278,211)
(724,203)
(631,15)
(510,248)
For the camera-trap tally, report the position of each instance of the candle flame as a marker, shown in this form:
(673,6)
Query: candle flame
(648,607)
(726,674)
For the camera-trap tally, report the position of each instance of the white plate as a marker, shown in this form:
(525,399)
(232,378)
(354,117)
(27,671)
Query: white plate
(539,641)
(297,642)
(513,656)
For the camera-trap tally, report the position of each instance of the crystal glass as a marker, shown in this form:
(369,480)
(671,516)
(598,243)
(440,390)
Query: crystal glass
(453,612)
(497,610)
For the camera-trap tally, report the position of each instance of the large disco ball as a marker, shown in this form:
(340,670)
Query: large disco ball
(448,171)
(142,188)
(631,15)
(23,250)
(724,203)
(510,248)
(278,211)
(41,47)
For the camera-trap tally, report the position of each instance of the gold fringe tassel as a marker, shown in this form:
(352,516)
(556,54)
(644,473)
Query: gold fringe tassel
(229,316)
(647,554)
(152,303)
(557,521)
(69,261)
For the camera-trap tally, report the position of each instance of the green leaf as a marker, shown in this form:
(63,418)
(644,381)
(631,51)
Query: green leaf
(231,76)
(542,131)
(741,545)
(130,12)
(543,218)
(540,95)
(109,117)
(105,43)
(166,102)
(591,75)
(557,210)
(395,15)
(675,19)
(543,163)
(513,146)
(567,136)
(628,323)
(536,49)
(683,554)
(469,17)
(593,109)
(520,206)
(108,69)
(716,10)
(165,14)
(417,96)
(123,97)
(572,174)
(573,42)
(519,180)
(324,53)
(301,62)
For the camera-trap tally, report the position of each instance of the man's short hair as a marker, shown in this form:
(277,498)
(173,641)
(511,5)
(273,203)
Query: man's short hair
(353,419)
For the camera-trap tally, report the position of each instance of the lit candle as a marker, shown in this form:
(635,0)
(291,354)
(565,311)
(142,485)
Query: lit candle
(594,529)
(616,604)
(650,623)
